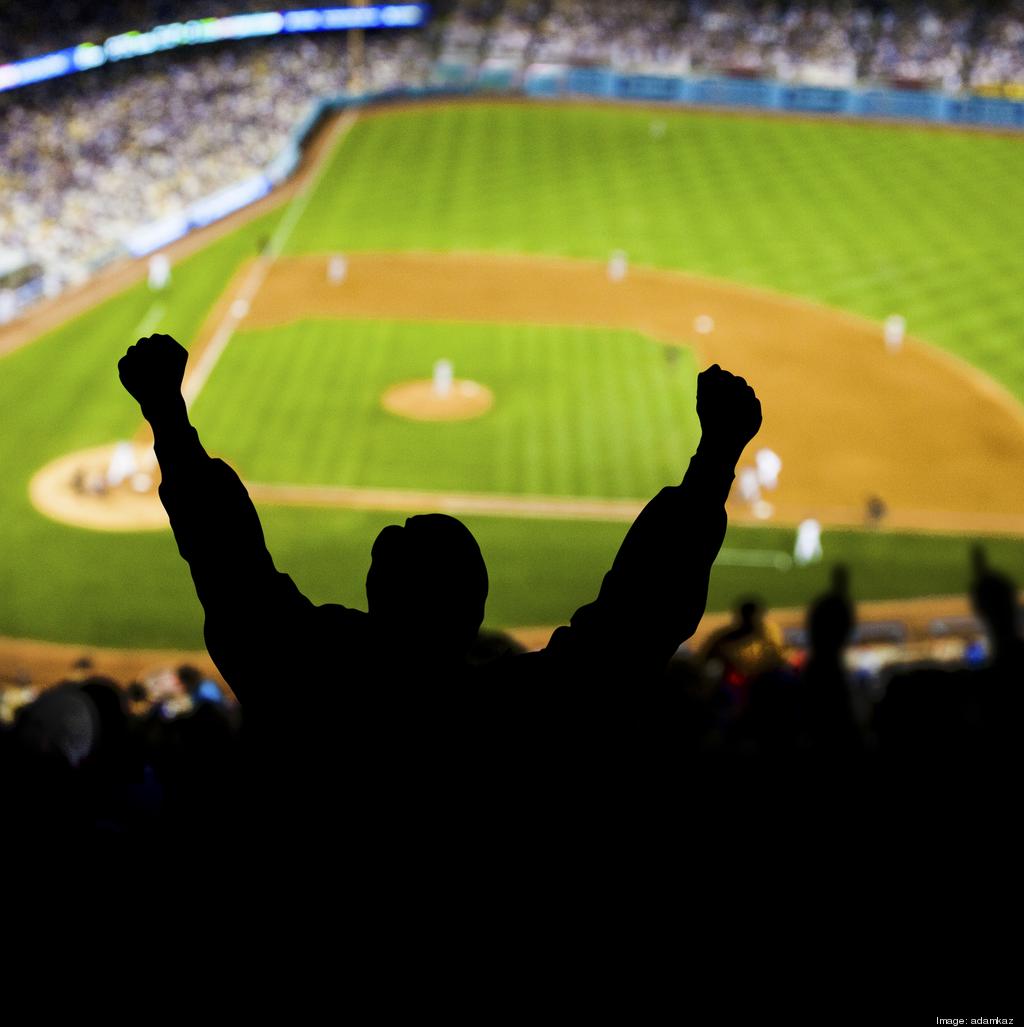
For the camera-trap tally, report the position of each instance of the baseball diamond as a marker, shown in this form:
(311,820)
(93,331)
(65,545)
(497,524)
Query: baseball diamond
(481,233)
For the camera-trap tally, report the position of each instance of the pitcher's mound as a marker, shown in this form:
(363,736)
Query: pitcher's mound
(420,402)
(74,489)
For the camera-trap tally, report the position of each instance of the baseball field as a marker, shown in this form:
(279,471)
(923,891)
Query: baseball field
(480,233)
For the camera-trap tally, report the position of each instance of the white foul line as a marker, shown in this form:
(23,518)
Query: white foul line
(150,319)
(200,372)
(239,307)
(773,558)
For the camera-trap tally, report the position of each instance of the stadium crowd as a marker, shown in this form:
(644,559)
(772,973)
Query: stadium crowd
(999,55)
(949,45)
(417,721)
(89,159)
(166,753)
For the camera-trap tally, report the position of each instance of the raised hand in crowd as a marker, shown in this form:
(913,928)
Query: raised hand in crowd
(152,371)
(729,412)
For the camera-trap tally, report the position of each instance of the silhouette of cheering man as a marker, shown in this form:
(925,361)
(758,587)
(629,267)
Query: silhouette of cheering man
(427,583)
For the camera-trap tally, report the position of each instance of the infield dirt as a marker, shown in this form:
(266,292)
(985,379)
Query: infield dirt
(937,440)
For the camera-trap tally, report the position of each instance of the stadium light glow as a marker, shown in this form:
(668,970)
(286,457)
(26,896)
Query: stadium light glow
(207,30)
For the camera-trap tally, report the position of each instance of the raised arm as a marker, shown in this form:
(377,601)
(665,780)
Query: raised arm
(654,596)
(214,521)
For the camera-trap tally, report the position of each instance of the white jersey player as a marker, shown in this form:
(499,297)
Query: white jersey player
(159,272)
(122,464)
(618,265)
(747,483)
(894,331)
(444,377)
(808,542)
(337,269)
(768,466)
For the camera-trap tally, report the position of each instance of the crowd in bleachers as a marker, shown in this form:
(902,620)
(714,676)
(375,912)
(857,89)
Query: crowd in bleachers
(928,48)
(999,54)
(757,695)
(94,755)
(949,43)
(939,44)
(89,159)
(166,753)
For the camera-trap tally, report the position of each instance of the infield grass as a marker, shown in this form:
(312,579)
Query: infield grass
(578,412)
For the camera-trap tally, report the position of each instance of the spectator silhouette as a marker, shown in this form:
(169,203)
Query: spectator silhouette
(744,649)
(828,725)
(998,698)
(392,687)
(741,661)
(994,598)
(953,720)
(113,770)
(52,739)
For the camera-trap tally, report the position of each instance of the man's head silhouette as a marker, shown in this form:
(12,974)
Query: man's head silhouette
(428,583)
(750,614)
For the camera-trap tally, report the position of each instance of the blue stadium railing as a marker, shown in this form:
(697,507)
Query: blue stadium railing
(943,108)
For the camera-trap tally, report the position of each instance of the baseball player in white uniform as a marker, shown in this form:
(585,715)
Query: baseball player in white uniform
(768,466)
(444,377)
(159,272)
(748,485)
(122,464)
(618,265)
(894,331)
(808,542)
(337,269)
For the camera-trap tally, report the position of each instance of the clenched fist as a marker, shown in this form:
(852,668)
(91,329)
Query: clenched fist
(152,371)
(729,411)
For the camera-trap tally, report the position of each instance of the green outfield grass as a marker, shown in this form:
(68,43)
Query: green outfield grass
(869,218)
